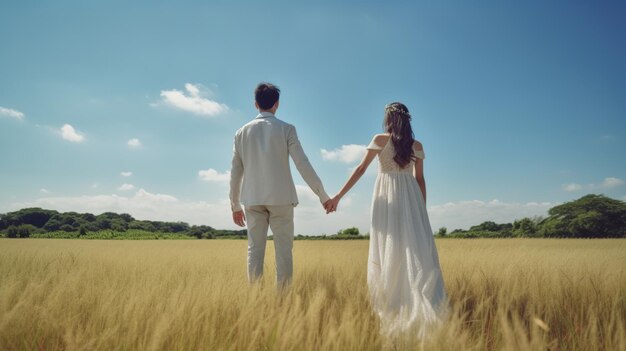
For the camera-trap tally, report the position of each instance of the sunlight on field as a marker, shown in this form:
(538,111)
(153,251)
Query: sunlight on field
(193,294)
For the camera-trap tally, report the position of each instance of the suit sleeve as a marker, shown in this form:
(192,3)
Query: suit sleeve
(236,177)
(304,166)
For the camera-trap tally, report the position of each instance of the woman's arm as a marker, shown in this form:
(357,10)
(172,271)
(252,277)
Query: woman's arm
(354,178)
(419,175)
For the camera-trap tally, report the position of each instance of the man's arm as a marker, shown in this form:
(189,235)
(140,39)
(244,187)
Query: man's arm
(304,166)
(236,177)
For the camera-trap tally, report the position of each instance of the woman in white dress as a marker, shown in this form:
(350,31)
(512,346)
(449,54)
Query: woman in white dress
(403,274)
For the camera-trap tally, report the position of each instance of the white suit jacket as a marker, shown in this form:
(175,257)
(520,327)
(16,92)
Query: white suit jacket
(261,153)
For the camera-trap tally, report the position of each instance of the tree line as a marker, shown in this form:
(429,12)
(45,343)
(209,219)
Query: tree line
(591,216)
(36,221)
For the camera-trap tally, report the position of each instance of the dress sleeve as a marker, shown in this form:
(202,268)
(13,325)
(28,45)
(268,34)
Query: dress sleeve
(374,146)
(418,153)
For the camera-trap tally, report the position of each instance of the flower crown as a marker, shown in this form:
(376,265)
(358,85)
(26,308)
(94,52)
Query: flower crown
(394,108)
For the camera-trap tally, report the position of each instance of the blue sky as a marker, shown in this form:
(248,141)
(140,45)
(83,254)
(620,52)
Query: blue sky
(519,105)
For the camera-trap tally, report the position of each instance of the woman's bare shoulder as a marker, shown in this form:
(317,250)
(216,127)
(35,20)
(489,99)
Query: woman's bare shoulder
(417,145)
(381,139)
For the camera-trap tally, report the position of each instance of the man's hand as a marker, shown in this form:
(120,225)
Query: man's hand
(328,206)
(239,218)
(334,203)
(331,205)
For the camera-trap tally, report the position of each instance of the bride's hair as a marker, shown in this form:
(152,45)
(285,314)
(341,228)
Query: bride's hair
(397,122)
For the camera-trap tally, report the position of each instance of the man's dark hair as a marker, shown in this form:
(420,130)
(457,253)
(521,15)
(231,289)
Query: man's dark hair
(266,95)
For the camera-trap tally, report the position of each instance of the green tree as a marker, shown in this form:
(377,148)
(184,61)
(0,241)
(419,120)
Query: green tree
(35,216)
(349,231)
(591,216)
(126,217)
(119,225)
(442,231)
(488,226)
(67,228)
(142,225)
(12,232)
(25,230)
(174,227)
(103,223)
(88,217)
(524,227)
(53,224)
(196,231)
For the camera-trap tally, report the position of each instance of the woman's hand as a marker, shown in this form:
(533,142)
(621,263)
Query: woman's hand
(334,202)
(356,175)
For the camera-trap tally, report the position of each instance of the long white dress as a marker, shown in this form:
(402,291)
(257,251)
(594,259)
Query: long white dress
(403,274)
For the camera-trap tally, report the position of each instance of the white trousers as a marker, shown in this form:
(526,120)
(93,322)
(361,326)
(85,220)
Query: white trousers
(280,220)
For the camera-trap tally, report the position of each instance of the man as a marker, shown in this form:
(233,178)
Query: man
(261,161)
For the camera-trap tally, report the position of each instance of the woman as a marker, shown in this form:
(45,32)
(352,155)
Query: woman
(403,274)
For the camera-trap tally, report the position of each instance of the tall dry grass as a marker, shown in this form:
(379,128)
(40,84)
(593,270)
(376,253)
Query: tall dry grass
(522,294)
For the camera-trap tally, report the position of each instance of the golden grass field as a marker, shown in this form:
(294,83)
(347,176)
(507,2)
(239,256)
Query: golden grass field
(517,294)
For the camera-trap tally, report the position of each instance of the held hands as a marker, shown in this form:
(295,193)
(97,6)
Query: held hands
(239,218)
(328,206)
(332,204)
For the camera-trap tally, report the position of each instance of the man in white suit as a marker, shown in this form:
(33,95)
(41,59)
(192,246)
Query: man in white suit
(261,161)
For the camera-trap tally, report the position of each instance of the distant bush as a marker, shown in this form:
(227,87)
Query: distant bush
(469,234)
(442,231)
(25,230)
(12,232)
(110,234)
(526,227)
(347,237)
(349,231)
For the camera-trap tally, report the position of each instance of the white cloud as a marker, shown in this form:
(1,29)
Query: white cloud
(572,187)
(211,175)
(195,101)
(70,134)
(141,205)
(464,214)
(126,187)
(192,89)
(347,153)
(144,195)
(95,185)
(306,195)
(611,182)
(607,183)
(44,190)
(310,217)
(9,112)
(134,142)
(126,173)
(308,198)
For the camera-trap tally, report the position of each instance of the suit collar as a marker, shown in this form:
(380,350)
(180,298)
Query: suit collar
(265,115)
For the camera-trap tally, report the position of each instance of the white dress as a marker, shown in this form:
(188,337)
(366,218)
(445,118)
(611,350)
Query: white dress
(403,274)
